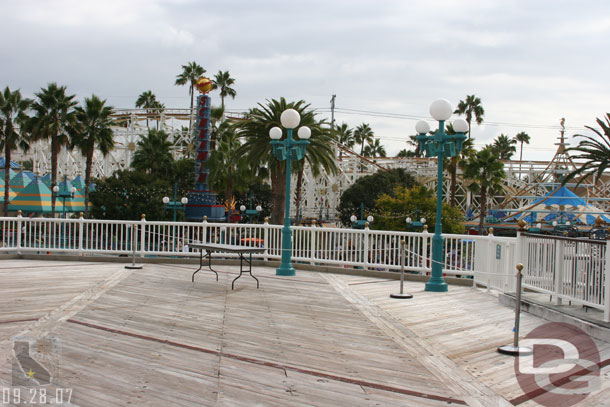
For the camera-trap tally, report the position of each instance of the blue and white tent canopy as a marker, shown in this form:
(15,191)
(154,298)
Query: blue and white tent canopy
(559,203)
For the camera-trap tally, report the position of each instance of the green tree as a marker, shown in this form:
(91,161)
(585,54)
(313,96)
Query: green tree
(147,100)
(94,132)
(54,119)
(345,138)
(230,171)
(487,174)
(223,81)
(472,109)
(368,189)
(363,135)
(404,153)
(189,75)
(522,137)
(126,195)
(393,209)
(13,118)
(374,149)
(153,155)
(594,150)
(259,152)
(505,146)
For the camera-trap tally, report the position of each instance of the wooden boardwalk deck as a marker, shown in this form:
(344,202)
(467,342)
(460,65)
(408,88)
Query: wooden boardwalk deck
(151,337)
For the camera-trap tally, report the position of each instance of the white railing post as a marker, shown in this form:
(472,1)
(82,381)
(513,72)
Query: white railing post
(425,243)
(19,234)
(559,269)
(312,242)
(365,246)
(142,234)
(204,238)
(491,252)
(81,234)
(266,238)
(606,277)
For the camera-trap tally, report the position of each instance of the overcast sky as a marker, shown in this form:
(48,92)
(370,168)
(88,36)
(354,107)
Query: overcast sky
(531,62)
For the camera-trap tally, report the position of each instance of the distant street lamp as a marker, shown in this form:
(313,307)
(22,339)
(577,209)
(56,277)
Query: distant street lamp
(64,194)
(288,150)
(361,223)
(440,145)
(175,205)
(415,223)
(251,212)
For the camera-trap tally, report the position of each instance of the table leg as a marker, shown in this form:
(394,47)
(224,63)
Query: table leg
(241,270)
(201,256)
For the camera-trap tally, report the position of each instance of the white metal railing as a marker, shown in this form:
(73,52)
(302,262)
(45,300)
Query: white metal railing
(568,269)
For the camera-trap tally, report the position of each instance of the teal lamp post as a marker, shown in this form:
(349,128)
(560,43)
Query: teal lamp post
(288,150)
(440,145)
(251,213)
(175,205)
(64,194)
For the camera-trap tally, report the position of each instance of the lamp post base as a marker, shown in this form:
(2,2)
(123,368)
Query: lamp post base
(403,296)
(285,270)
(515,350)
(436,287)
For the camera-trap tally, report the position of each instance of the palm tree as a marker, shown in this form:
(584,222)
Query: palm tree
(595,152)
(487,173)
(189,75)
(54,119)
(153,154)
(345,137)
(374,149)
(229,170)
(258,151)
(522,137)
(472,109)
(147,100)
(13,117)
(363,135)
(505,147)
(223,81)
(94,132)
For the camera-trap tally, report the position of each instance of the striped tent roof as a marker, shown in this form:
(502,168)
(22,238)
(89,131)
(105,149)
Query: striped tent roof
(78,182)
(2,174)
(36,197)
(20,181)
(13,163)
(11,194)
(47,179)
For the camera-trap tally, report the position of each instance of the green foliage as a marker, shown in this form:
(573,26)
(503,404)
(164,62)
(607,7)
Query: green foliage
(472,109)
(594,150)
(392,210)
(368,189)
(504,147)
(363,135)
(126,195)
(223,81)
(153,153)
(261,195)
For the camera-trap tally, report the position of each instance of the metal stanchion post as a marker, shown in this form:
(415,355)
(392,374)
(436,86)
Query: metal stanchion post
(515,349)
(133,265)
(402,273)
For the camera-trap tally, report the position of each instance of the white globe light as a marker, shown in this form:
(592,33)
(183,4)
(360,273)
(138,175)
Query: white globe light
(423,220)
(370,219)
(441,109)
(184,200)
(460,126)
(353,218)
(259,208)
(290,118)
(554,223)
(422,127)
(304,133)
(275,133)
(73,189)
(408,220)
(242,208)
(55,189)
(165,200)
(568,223)
(539,225)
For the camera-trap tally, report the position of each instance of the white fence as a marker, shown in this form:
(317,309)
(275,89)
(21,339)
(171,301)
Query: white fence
(568,269)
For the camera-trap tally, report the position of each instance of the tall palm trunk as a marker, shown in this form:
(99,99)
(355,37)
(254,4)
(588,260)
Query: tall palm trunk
(88,165)
(228,189)
(453,187)
(278,192)
(483,207)
(54,154)
(7,176)
(299,193)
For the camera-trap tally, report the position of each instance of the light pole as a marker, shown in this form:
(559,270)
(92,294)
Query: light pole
(415,223)
(440,145)
(251,212)
(287,150)
(361,223)
(64,193)
(175,205)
